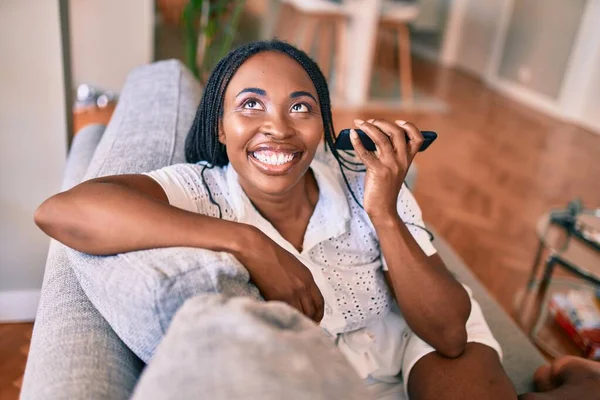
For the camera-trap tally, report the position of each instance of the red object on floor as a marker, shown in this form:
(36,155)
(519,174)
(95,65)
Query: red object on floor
(588,340)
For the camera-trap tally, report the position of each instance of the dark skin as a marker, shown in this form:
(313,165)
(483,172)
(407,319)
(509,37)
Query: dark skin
(266,109)
(567,378)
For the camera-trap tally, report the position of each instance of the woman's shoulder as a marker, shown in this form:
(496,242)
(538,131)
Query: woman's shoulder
(193,187)
(196,179)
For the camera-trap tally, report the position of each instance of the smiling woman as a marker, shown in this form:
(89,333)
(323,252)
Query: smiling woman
(271,132)
(256,186)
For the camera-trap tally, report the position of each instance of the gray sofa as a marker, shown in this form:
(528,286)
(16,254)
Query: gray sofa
(74,353)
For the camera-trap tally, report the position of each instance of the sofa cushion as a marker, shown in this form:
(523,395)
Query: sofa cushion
(138,292)
(150,123)
(259,351)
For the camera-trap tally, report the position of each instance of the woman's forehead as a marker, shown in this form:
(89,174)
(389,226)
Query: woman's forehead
(273,72)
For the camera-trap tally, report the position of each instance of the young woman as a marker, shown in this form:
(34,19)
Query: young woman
(340,239)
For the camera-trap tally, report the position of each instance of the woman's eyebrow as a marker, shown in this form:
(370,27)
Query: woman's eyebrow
(257,91)
(302,93)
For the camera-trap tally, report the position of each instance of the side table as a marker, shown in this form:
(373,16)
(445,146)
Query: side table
(571,256)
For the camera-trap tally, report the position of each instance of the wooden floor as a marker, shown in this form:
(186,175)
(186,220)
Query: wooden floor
(14,347)
(494,170)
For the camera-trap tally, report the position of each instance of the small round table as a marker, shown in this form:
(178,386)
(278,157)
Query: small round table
(572,253)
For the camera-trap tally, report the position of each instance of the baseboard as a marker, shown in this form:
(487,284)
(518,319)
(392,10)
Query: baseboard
(528,97)
(19,305)
(426,52)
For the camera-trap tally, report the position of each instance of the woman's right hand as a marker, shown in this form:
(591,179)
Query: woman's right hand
(282,277)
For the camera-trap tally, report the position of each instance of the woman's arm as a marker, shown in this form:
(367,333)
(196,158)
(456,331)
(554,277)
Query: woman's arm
(124,213)
(436,307)
(434,304)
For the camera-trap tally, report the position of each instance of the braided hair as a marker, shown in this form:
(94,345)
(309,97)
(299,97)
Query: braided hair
(202,143)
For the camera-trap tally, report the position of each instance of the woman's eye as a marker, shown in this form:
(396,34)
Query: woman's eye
(300,107)
(252,105)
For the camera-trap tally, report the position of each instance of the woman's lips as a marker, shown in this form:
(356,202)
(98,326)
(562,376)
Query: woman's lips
(274,162)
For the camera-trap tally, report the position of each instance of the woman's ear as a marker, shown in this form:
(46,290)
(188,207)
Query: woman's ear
(221,133)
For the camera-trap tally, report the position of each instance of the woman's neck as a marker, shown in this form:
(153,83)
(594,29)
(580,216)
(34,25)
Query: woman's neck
(297,204)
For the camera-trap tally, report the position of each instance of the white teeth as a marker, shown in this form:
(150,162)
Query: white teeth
(273,158)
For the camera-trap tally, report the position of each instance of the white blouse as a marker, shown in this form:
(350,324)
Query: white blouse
(340,249)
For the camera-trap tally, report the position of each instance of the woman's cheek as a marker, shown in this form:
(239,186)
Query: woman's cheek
(239,130)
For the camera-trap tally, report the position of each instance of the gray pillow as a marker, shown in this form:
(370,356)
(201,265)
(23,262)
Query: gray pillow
(139,292)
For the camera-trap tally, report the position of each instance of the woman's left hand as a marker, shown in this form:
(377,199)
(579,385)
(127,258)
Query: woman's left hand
(387,167)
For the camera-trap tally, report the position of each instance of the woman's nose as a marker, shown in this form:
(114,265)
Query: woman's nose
(278,126)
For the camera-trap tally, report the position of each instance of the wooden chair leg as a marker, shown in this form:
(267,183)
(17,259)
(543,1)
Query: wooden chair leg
(341,27)
(387,45)
(379,52)
(325,44)
(405,63)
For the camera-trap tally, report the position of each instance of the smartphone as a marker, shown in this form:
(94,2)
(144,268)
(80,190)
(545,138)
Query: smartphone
(343,140)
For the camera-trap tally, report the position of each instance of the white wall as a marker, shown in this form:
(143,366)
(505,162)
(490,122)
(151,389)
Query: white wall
(539,42)
(477,34)
(580,97)
(33,136)
(109,38)
(590,112)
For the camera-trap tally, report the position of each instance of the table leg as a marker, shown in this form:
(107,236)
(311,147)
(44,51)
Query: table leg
(542,290)
(535,267)
(531,282)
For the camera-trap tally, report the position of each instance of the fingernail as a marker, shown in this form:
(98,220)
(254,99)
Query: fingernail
(359,121)
(399,121)
(371,121)
(353,134)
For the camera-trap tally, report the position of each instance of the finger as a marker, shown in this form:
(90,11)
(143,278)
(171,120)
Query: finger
(543,379)
(396,133)
(415,138)
(308,306)
(363,154)
(294,302)
(319,303)
(381,140)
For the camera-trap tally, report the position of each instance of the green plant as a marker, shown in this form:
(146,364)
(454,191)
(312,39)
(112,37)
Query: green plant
(209,30)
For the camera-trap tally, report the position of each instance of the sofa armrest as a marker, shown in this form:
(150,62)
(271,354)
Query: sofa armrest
(81,153)
(74,354)
(72,344)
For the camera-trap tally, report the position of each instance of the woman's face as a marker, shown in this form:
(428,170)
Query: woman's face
(271,123)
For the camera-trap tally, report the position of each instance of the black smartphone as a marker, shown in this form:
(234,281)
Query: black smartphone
(343,140)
